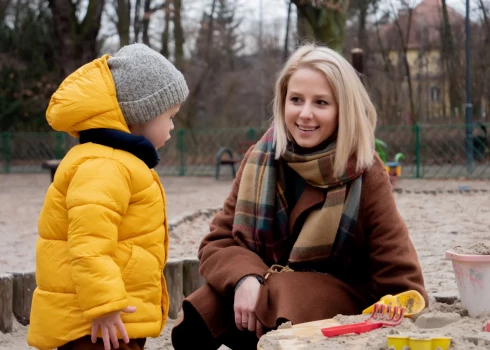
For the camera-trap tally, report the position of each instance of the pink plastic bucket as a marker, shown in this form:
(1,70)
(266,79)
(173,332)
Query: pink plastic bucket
(473,279)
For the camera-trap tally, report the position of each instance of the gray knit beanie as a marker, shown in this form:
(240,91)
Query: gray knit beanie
(147,84)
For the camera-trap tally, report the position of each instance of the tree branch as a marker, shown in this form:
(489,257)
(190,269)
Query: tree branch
(405,58)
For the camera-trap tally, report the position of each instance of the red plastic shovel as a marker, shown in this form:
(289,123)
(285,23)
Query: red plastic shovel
(382,316)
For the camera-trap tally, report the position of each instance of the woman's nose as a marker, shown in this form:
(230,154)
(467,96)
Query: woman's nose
(306,111)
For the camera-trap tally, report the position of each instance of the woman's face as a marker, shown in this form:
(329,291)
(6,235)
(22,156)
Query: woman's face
(311,111)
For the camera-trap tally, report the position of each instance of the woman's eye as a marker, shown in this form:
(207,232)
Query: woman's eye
(295,99)
(322,102)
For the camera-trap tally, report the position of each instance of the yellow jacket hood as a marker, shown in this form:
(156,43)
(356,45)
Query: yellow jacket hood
(86,99)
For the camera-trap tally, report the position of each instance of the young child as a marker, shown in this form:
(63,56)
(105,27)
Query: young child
(103,229)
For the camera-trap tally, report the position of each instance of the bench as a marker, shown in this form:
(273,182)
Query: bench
(52,165)
(229,158)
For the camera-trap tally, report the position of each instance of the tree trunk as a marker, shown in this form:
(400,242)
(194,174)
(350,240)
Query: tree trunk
(361,33)
(65,26)
(485,16)
(90,27)
(146,22)
(404,43)
(123,10)
(190,109)
(390,105)
(137,21)
(178,35)
(286,37)
(166,34)
(77,42)
(326,21)
(304,29)
(4,5)
(449,60)
(484,49)
(209,39)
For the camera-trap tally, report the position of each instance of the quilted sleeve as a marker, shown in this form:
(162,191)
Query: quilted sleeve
(97,197)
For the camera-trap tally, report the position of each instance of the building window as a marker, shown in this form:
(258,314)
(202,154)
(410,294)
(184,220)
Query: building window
(435,94)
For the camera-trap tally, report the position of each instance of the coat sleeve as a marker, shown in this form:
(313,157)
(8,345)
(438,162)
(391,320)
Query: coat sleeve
(394,263)
(97,197)
(225,259)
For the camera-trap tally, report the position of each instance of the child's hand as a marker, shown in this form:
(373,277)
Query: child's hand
(106,324)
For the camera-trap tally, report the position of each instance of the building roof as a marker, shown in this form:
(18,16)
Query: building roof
(425,26)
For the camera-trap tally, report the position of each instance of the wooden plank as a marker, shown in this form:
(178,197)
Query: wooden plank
(192,278)
(6,302)
(24,285)
(174,273)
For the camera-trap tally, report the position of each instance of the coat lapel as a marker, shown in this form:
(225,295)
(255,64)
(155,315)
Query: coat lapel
(310,197)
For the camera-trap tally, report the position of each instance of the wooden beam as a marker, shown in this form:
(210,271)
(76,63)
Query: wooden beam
(173,273)
(23,286)
(6,303)
(192,278)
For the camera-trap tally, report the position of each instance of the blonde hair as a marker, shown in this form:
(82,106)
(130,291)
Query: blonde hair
(357,115)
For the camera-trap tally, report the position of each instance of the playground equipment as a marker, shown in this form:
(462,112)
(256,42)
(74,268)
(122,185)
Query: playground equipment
(394,169)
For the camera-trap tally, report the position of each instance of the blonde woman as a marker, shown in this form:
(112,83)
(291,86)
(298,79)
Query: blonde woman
(310,229)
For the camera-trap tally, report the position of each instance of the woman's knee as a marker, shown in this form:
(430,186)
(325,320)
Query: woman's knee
(191,332)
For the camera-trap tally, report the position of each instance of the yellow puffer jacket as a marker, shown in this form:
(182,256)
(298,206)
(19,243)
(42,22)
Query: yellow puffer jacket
(103,231)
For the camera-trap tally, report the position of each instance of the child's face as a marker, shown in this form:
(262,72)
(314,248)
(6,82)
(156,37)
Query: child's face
(311,111)
(158,129)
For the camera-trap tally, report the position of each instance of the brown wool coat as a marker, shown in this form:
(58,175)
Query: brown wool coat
(384,262)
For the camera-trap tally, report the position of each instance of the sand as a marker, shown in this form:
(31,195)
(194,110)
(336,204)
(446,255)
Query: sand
(466,333)
(478,248)
(17,339)
(22,196)
(438,215)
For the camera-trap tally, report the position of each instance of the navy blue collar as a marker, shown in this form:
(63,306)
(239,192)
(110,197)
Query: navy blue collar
(139,146)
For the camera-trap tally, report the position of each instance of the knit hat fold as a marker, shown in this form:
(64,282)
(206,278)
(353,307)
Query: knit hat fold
(147,84)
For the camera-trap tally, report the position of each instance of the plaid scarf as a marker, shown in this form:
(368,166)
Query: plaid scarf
(261,213)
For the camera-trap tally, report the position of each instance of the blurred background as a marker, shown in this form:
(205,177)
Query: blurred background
(412,56)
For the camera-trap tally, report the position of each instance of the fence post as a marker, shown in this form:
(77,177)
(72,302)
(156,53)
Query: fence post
(6,151)
(58,150)
(417,150)
(251,134)
(180,146)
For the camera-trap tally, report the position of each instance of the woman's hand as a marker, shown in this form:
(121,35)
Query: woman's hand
(246,297)
(106,324)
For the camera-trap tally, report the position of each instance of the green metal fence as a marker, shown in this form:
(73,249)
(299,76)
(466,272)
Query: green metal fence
(431,151)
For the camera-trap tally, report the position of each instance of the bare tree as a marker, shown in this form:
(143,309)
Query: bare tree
(166,35)
(484,11)
(286,37)
(326,19)
(123,21)
(146,21)
(480,68)
(137,22)
(450,60)
(190,110)
(148,10)
(404,35)
(360,10)
(178,35)
(4,5)
(76,40)
(385,81)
